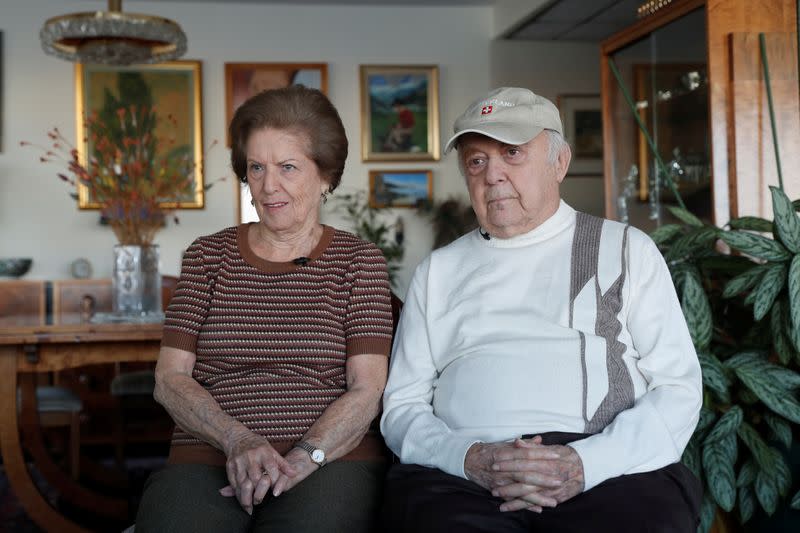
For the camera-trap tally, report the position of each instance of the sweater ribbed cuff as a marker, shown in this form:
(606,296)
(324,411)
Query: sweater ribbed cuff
(453,450)
(595,454)
(373,345)
(179,339)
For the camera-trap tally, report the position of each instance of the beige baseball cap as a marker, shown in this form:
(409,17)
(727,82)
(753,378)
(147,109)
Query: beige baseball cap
(510,115)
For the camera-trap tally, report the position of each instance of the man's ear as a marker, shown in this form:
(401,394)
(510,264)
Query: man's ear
(562,162)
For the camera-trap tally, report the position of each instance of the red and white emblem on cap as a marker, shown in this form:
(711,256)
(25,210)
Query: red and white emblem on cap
(485,110)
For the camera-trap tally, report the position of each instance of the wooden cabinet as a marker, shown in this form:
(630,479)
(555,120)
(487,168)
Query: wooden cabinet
(694,74)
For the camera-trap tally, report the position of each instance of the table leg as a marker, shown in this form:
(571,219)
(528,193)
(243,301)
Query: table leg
(21,483)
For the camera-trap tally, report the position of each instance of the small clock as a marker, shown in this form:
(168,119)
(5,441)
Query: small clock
(81,268)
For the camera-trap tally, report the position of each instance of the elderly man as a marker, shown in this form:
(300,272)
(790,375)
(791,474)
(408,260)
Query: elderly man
(542,362)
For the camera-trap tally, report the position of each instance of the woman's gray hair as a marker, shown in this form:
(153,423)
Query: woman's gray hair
(557,143)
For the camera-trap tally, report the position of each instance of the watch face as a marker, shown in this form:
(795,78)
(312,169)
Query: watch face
(317,456)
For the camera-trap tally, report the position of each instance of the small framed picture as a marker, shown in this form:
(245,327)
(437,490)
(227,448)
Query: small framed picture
(243,80)
(400,188)
(582,118)
(400,113)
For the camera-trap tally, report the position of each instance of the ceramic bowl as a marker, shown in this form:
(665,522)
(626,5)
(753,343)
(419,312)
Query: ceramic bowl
(15,267)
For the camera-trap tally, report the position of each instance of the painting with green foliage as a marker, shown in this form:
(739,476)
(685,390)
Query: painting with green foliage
(399,113)
(167,94)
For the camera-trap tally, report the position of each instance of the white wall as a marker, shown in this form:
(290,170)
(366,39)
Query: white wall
(39,220)
(551,68)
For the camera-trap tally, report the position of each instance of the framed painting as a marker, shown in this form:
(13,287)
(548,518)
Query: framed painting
(400,188)
(1,91)
(243,80)
(171,89)
(399,113)
(582,119)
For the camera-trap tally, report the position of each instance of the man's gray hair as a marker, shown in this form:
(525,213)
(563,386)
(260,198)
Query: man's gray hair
(557,143)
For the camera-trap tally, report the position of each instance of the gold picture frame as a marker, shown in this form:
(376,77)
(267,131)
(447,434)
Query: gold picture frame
(174,85)
(400,188)
(399,112)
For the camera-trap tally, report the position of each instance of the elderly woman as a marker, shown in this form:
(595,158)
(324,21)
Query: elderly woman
(275,346)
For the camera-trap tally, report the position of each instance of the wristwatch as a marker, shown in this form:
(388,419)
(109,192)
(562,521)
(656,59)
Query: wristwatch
(317,455)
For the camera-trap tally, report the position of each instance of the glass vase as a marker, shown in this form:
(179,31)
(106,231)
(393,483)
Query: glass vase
(136,281)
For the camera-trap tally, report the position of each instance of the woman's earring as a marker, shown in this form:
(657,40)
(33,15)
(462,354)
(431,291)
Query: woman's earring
(324,196)
(253,202)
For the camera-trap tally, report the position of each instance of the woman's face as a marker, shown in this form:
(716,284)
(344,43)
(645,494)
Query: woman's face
(285,183)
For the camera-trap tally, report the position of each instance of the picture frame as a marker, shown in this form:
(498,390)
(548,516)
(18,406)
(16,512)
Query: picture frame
(172,85)
(1,91)
(243,80)
(399,112)
(389,188)
(582,118)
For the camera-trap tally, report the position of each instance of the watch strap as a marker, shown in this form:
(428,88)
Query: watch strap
(310,449)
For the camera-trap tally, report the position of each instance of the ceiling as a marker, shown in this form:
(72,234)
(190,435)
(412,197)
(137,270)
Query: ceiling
(557,20)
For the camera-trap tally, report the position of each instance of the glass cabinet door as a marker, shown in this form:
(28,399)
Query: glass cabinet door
(665,74)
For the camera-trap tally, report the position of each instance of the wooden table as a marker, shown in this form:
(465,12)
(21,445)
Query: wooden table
(27,351)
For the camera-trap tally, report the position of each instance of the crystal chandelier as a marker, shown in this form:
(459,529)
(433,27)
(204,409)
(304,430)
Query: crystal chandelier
(112,37)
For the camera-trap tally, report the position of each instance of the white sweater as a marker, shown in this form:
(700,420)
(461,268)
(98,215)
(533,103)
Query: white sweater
(492,345)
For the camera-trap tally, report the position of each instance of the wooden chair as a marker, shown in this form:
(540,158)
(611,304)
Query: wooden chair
(23,303)
(76,300)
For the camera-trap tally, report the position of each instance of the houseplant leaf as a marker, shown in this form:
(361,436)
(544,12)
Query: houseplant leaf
(696,309)
(747,504)
(766,493)
(707,417)
(768,289)
(725,426)
(666,233)
(753,441)
(718,459)
(696,239)
(781,430)
(685,216)
(747,474)
(796,501)
(708,509)
(787,223)
(744,281)
(794,296)
(755,245)
(754,364)
(783,346)
(714,376)
(774,397)
(751,224)
(691,458)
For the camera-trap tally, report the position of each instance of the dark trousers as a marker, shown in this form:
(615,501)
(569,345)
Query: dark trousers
(420,500)
(344,496)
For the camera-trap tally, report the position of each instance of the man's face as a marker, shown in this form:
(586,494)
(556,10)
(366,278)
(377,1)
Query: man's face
(513,189)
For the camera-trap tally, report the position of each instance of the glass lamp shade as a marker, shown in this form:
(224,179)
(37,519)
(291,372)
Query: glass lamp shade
(112,37)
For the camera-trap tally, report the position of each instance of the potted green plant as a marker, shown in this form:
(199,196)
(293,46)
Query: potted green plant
(369,225)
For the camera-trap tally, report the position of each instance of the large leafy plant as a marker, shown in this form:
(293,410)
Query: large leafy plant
(743,312)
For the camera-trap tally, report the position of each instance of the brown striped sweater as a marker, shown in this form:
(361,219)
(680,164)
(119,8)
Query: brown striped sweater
(272,339)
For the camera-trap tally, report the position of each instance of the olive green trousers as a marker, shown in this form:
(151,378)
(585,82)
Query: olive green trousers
(344,496)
